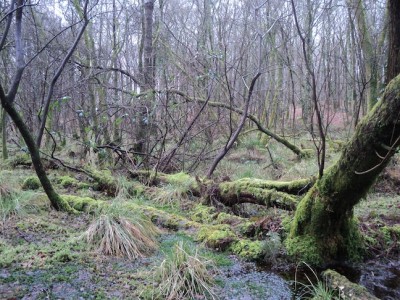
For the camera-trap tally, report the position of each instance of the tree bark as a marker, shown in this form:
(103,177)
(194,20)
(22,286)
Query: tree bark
(370,59)
(393,66)
(4,134)
(323,229)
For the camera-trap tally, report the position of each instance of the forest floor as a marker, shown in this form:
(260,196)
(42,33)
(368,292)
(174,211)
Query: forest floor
(43,254)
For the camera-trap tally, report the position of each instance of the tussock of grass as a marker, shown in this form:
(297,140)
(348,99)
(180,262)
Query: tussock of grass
(170,194)
(13,201)
(113,233)
(184,275)
(317,289)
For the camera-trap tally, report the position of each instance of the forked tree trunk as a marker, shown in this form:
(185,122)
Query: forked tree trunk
(324,228)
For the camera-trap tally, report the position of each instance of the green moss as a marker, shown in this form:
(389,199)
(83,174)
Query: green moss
(31,183)
(105,181)
(249,250)
(391,234)
(83,203)
(304,248)
(179,178)
(246,228)
(203,214)
(20,160)
(348,289)
(83,185)
(64,255)
(224,218)
(67,181)
(290,187)
(354,242)
(218,237)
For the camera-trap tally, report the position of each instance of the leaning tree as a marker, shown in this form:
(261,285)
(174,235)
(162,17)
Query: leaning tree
(324,228)
(9,93)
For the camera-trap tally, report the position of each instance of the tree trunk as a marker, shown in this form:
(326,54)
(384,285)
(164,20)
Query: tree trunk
(56,201)
(4,134)
(148,74)
(393,66)
(324,229)
(370,59)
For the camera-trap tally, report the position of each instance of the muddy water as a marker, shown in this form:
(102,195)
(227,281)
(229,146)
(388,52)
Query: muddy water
(247,281)
(381,278)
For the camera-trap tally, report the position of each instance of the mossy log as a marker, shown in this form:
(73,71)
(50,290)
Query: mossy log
(346,288)
(295,187)
(246,190)
(231,193)
(323,229)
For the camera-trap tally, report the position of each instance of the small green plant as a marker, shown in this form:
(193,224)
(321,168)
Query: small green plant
(314,289)
(115,233)
(184,275)
(13,202)
(31,183)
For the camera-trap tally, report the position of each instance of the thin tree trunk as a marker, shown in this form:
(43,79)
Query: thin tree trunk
(235,135)
(393,66)
(4,134)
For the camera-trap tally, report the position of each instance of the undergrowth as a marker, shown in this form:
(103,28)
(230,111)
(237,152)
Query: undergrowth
(184,274)
(117,233)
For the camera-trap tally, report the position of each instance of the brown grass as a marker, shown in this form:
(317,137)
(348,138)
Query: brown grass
(116,235)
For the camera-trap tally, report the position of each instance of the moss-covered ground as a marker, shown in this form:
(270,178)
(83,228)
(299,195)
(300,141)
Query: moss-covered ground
(42,254)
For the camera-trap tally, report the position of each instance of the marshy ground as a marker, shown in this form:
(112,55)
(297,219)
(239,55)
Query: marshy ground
(44,255)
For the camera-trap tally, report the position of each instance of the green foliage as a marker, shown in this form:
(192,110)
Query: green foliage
(304,248)
(15,203)
(64,255)
(126,189)
(315,289)
(273,246)
(83,203)
(104,180)
(66,181)
(203,214)
(20,160)
(218,237)
(31,183)
(184,274)
(249,250)
(176,188)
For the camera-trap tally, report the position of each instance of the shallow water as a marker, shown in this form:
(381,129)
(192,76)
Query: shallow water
(381,278)
(246,281)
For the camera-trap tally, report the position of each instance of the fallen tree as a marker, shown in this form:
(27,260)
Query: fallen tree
(248,190)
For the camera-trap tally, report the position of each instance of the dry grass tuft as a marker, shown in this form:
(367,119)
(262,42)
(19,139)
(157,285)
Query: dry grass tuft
(183,275)
(169,194)
(117,235)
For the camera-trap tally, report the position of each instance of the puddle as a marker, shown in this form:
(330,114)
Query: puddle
(245,281)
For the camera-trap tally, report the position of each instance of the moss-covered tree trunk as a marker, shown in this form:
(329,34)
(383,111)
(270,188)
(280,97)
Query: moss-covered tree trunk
(323,228)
